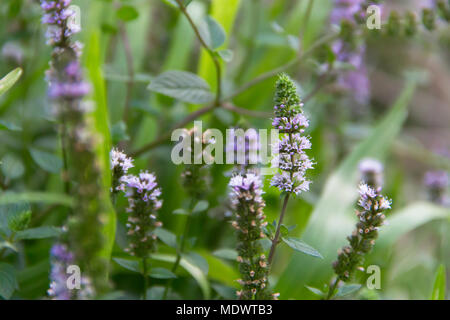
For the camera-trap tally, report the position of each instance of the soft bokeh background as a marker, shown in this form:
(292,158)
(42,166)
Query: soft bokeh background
(409,134)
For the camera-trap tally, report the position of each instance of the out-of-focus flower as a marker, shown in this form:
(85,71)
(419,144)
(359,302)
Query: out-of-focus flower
(371,171)
(437,183)
(243,148)
(61,258)
(143,202)
(67,89)
(291,123)
(248,205)
(195,176)
(13,52)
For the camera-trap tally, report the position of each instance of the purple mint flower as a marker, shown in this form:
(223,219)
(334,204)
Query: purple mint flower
(244,148)
(57,15)
(371,171)
(248,205)
(291,122)
(356,80)
(119,160)
(437,183)
(345,9)
(371,217)
(143,202)
(61,258)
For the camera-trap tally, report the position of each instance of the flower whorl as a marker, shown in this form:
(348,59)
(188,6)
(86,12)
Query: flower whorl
(246,200)
(119,164)
(372,206)
(143,202)
(290,121)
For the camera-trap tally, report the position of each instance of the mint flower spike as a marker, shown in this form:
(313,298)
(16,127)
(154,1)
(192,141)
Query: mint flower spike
(291,122)
(371,214)
(248,204)
(120,163)
(143,203)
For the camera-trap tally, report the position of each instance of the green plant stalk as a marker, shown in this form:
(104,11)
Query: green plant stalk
(332,289)
(145,275)
(180,250)
(277,233)
(211,53)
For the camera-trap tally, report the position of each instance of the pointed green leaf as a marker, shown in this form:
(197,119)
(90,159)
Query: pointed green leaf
(301,246)
(439,287)
(348,289)
(8,81)
(6,125)
(229,254)
(39,197)
(167,237)
(46,160)
(316,291)
(8,281)
(38,233)
(12,166)
(182,85)
(127,13)
(212,33)
(132,265)
(201,206)
(162,273)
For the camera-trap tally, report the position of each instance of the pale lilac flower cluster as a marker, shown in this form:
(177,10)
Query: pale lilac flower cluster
(371,171)
(143,202)
(70,85)
(290,121)
(248,186)
(437,183)
(120,164)
(345,9)
(57,16)
(61,258)
(371,200)
(120,161)
(356,80)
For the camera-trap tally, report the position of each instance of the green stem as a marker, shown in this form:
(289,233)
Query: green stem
(180,250)
(211,53)
(332,289)
(277,233)
(145,274)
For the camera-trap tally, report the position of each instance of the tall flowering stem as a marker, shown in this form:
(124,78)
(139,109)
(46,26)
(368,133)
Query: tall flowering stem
(67,90)
(246,200)
(195,180)
(292,159)
(143,196)
(371,216)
